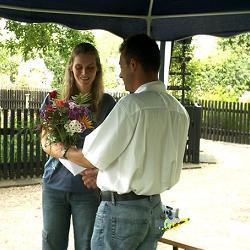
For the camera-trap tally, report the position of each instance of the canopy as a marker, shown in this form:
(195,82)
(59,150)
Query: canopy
(163,20)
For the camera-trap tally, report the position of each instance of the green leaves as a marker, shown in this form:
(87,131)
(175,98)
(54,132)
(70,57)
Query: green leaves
(82,99)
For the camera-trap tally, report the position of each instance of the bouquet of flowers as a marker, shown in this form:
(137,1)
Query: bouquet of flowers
(65,121)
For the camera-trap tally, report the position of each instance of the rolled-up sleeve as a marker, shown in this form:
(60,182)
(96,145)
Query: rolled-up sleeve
(107,142)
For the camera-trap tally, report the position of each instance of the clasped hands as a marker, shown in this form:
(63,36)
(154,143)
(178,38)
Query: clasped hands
(89,176)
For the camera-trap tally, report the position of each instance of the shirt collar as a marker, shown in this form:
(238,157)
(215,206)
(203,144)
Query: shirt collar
(157,86)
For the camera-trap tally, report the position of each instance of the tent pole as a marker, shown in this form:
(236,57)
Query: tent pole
(162,52)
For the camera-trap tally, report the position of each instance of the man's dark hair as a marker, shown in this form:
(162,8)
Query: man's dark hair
(144,49)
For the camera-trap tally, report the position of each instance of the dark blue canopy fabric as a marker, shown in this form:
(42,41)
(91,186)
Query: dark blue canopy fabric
(163,20)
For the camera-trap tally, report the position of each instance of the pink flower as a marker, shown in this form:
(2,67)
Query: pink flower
(49,108)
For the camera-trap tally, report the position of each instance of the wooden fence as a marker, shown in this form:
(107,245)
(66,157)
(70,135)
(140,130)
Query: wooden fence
(21,155)
(225,121)
(21,98)
(20,152)
(30,98)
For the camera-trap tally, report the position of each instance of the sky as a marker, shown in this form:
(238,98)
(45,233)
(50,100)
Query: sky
(204,46)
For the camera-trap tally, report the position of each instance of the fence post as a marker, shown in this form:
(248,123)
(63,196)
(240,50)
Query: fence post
(27,101)
(197,134)
(194,133)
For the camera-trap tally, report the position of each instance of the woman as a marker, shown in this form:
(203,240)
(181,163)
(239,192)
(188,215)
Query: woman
(64,195)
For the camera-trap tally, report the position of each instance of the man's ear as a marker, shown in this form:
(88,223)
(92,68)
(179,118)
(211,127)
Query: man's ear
(133,64)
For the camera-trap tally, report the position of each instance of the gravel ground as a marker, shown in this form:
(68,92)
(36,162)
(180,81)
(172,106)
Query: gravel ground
(217,189)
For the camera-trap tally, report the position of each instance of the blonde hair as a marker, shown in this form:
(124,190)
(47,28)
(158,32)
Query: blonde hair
(70,88)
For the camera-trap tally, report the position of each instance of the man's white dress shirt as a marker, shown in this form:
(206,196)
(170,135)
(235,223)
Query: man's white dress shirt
(140,145)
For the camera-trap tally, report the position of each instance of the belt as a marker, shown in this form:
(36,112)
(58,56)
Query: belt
(113,196)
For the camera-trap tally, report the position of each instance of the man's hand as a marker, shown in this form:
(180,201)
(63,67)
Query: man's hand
(89,177)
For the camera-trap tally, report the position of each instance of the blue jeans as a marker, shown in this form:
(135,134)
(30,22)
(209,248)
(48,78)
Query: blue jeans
(58,207)
(128,225)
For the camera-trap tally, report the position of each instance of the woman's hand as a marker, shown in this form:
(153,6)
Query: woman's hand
(89,177)
(53,149)
(58,150)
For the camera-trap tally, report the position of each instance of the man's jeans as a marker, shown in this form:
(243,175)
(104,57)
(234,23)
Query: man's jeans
(58,207)
(128,225)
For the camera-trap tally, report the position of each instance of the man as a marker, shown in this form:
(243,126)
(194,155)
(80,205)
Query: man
(138,150)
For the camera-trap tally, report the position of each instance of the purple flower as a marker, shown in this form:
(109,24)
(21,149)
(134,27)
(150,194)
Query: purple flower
(73,114)
(84,111)
(42,113)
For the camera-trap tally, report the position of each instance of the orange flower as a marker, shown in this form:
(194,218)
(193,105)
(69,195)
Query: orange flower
(59,103)
(87,122)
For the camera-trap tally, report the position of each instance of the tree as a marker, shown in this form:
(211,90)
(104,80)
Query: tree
(222,76)
(226,75)
(51,42)
(237,44)
(8,67)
